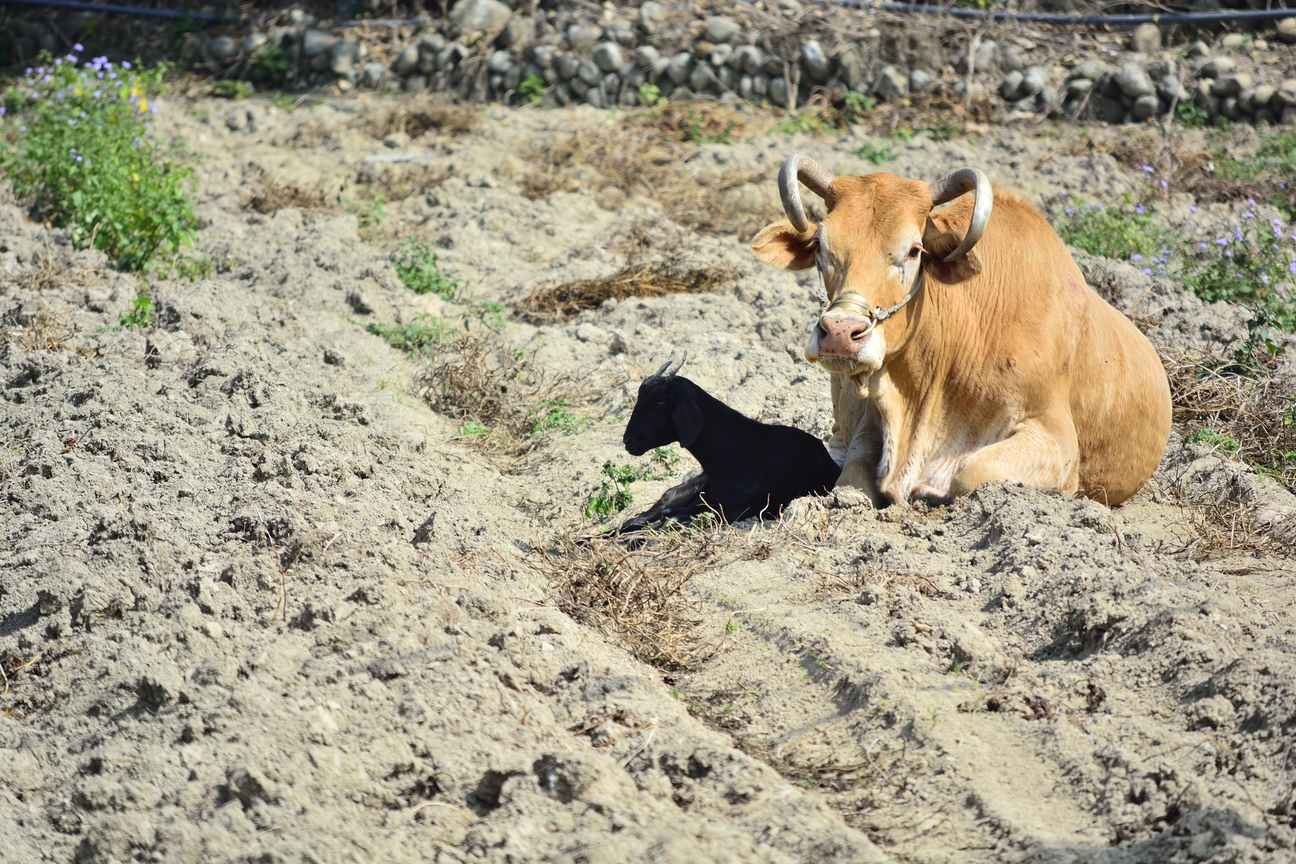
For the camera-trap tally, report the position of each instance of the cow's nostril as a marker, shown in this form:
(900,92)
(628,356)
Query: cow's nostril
(859,334)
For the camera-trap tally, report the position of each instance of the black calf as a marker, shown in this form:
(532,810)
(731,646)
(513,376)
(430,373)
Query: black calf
(749,468)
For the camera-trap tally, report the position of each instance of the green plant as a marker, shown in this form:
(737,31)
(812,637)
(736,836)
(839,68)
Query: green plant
(1247,267)
(856,107)
(284,102)
(532,89)
(731,626)
(876,151)
(270,66)
(418,269)
(650,94)
(613,494)
(186,267)
(141,314)
(1192,115)
(488,312)
(1123,231)
(555,415)
(83,158)
(232,88)
(803,123)
(418,337)
(661,464)
(473,431)
(369,211)
(1226,444)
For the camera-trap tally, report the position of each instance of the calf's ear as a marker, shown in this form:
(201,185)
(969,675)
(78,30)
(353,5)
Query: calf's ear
(939,243)
(782,246)
(687,416)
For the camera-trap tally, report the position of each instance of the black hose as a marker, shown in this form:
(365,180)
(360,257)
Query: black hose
(1051,18)
(921,8)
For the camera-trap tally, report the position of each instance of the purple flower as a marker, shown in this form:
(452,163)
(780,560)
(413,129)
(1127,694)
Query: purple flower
(153,107)
(1139,209)
(1136,257)
(22,128)
(1147,271)
(1264,280)
(1250,202)
(2,110)
(1204,247)
(1160,271)
(1064,193)
(78,158)
(1070,211)
(1148,169)
(1248,215)
(1165,185)
(125,64)
(48,78)
(78,47)
(1228,253)
(1221,242)
(1291,268)
(1192,208)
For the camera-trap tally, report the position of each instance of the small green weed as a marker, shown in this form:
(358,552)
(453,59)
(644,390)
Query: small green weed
(369,211)
(532,89)
(186,267)
(270,67)
(284,102)
(876,151)
(662,464)
(419,337)
(1120,231)
(803,123)
(488,312)
(555,415)
(141,314)
(1192,116)
(650,94)
(856,107)
(732,626)
(84,159)
(1226,444)
(417,266)
(614,493)
(232,88)
(474,431)
(1246,267)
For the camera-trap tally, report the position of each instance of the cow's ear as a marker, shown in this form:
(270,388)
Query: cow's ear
(781,245)
(939,243)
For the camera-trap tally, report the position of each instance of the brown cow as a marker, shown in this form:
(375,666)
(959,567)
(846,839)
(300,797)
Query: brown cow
(964,349)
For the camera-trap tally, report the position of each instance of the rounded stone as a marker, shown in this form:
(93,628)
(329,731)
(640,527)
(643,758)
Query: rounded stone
(415,84)
(590,73)
(646,56)
(1013,58)
(760,86)
(1265,92)
(720,56)
(751,59)
(815,60)
(1091,69)
(1033,80)
(1232,41)
(568,67)
(680,67)
(518,33)
(1231,85)
(407,61)
(1078,88)
(342,57)
(1169,89)
(1145,39)
(721,29)
(1133,81)
(919,80)
(890,83)
(499,62)
(543,56)
(622,32)
(1286,30)
(778,92)
(745,88)
(222,48)
(578,87)
(374,75)
(1145,107)
(651,14)
(316,41)
(252,42)
(608,56)
(474,15)
(984,58)
(594,96)
(1011,85)
(1216,67)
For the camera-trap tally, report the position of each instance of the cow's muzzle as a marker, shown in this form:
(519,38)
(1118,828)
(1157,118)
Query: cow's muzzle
(844,325)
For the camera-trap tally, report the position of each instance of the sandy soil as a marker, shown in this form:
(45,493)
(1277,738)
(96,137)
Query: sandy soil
(260,603)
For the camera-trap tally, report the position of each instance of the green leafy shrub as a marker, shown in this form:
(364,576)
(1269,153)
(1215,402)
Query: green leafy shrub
(1226,444)
(532,89)
(82,156)
(1192,116)
(614,493)
(141,314)
(650,94)
(232,88)
(419,337)
(1120,231)
(416,265)
(876,151)
(270,67)
(556,415)
(1247,267)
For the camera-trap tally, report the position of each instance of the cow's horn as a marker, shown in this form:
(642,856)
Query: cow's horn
(801,169)
(959,183)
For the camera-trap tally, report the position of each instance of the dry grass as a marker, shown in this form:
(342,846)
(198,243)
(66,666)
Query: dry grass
(1225,528)
(637,594)
(275,196)
(398,181)
(419,114)
(45,330)
(547,304)
(506,404)
(643,159)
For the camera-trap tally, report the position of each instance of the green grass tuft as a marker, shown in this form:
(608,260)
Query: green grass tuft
(419,337)
(417,266)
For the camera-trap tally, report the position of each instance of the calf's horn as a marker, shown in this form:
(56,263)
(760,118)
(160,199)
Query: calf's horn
(671,368)
(959,183)
(801,169)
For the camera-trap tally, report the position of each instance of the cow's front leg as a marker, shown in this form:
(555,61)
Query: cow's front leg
(1041,453)
(863,458)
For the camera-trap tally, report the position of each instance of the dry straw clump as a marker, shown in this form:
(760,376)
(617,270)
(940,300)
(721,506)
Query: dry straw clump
(418,115)
(275,196)
(506,404)
(637,594)
(640,158)
(547,304)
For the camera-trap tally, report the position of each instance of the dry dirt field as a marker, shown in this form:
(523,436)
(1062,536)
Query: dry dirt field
(276,591)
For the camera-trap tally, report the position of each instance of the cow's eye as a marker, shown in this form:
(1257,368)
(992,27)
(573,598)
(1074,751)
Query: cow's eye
(915,251)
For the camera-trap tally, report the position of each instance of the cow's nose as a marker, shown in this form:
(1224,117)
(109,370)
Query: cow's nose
(842,336)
